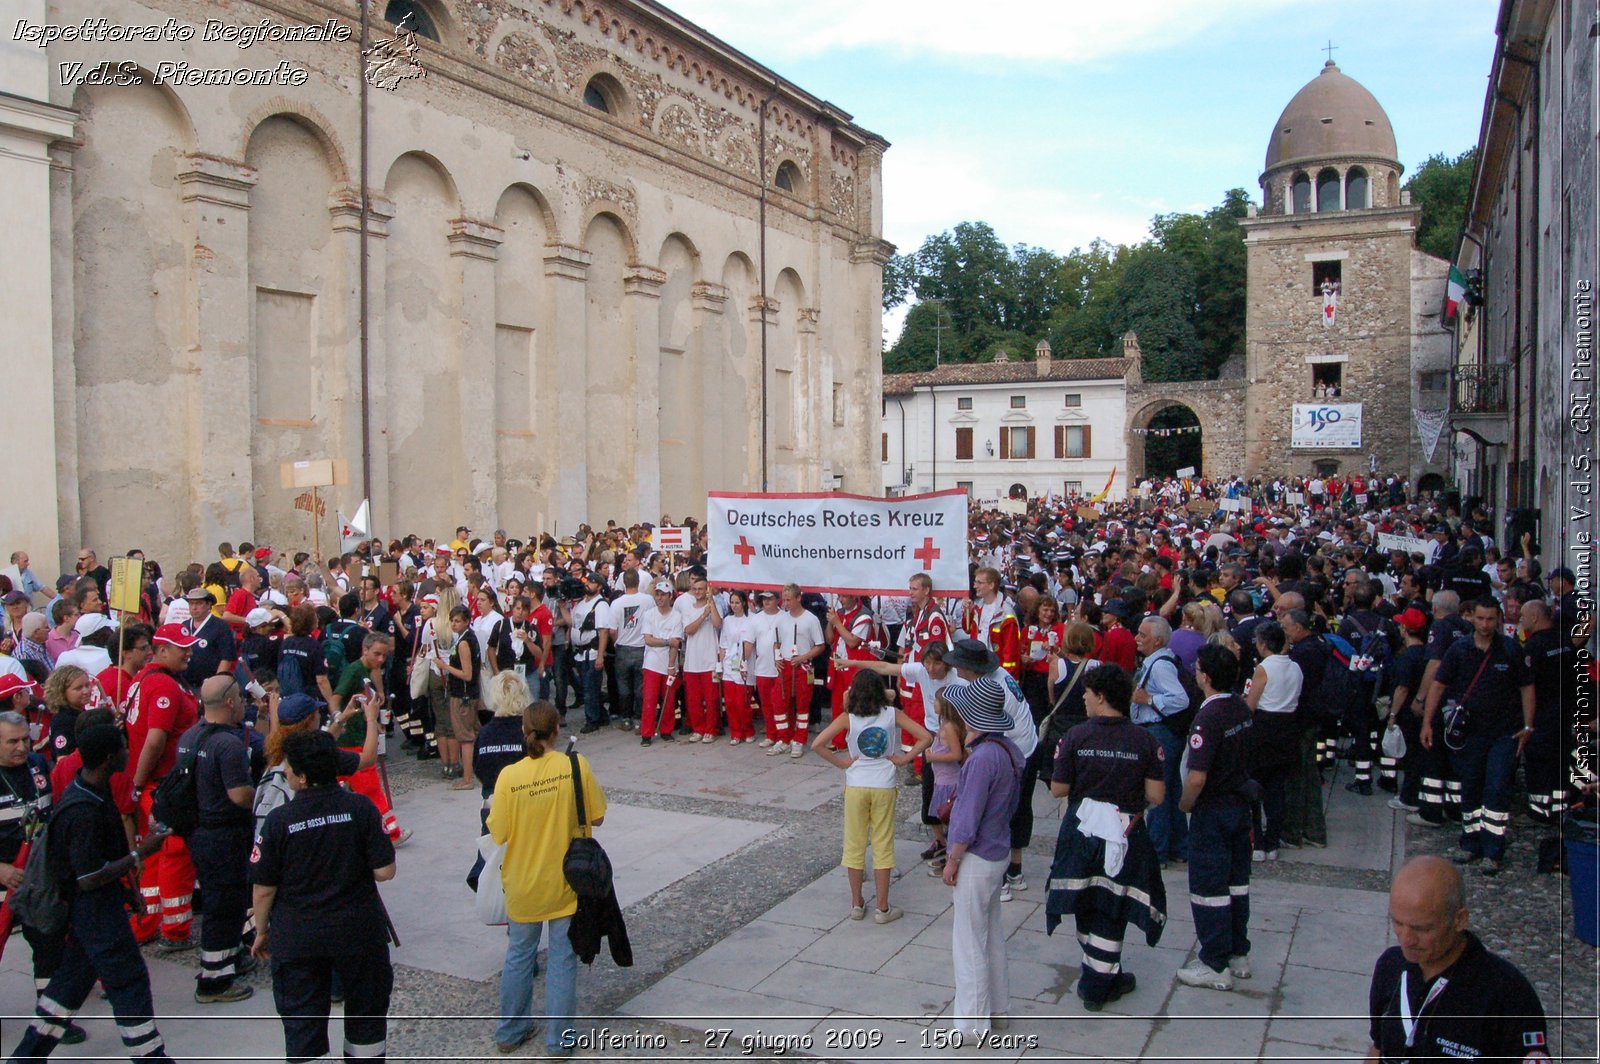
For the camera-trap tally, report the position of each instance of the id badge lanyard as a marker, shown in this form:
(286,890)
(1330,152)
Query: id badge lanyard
(1409,1021)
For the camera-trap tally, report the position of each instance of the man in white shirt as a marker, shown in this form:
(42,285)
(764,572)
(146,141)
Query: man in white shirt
(661,632)
(701,624)
(761,648)
(626,614)
(589,635)
(799,640)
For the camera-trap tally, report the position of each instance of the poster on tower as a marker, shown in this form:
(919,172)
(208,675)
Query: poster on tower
(1326,426)
(838,544)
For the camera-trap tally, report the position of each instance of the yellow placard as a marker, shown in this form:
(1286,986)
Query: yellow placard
(127,581)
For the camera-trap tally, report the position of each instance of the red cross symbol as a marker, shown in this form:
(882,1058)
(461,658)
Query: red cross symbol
(927,554)
(347,532)
(744,550)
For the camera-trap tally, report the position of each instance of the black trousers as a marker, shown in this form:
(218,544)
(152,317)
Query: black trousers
(222,866)
(99,946)
(1100,937)
(1219,881)
(1022,819)
(301,989)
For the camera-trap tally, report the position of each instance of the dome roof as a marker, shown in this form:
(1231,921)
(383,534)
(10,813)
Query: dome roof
(1333,115)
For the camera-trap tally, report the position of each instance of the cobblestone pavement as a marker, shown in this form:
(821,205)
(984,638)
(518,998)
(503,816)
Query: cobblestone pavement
(1527,917)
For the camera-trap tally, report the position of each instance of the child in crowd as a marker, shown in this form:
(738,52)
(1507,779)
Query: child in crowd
(948,751)
(869,785)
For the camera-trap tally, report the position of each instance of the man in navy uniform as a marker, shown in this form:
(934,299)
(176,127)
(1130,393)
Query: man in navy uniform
(1439,993)
(1218,797)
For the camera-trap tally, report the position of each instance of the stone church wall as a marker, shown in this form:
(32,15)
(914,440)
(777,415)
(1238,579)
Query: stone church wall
(566,314)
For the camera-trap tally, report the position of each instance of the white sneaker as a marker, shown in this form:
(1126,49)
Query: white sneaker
(1258,856)
(765,742)
(695,737)
(795,749)
(733,742)
(1239,967)
(776,748)
(1005,892)
(1016,882)
(1196,973)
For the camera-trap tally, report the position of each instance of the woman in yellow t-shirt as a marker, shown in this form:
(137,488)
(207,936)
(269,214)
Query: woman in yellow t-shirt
(535,816)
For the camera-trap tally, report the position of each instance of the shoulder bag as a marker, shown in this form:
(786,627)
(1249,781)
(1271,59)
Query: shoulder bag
(586,866)
(1455,713)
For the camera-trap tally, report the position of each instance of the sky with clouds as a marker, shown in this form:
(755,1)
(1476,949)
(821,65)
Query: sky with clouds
(1060,121)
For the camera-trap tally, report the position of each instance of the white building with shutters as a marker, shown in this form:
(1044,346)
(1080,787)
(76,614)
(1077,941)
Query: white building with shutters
(1007,428)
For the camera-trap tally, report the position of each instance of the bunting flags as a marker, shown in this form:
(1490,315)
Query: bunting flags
(1186,431)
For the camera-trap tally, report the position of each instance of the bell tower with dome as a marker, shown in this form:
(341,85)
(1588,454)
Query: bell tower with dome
(1339,298)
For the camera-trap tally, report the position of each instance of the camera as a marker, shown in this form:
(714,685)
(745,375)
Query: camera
(571,589)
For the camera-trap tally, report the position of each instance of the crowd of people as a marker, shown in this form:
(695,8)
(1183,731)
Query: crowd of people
(1184,676)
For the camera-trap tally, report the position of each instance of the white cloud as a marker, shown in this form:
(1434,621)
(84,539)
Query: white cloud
(1055,31)
(929,188)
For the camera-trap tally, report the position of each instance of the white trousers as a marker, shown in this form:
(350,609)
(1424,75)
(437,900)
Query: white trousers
(978,945)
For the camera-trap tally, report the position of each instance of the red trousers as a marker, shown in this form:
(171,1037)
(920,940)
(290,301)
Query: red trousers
(794,679)
(775,707)
(369,782)
(656,686)
(736,696)
(166,885)
(700,702)
(839,688)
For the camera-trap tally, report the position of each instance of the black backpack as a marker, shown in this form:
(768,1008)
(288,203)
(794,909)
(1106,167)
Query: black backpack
(1180,721)
(39,902)
(176,801)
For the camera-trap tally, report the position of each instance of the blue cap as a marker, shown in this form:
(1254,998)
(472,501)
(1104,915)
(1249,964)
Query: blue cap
(298,707)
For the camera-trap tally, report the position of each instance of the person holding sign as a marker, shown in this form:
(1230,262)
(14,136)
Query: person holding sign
(662,632)
(992,621)
(850,629)
(799,640)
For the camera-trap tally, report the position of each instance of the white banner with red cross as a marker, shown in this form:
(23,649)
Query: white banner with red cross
(842,544)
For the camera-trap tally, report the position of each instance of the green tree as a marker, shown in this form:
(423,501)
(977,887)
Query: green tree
(1440,186)
(1156,300)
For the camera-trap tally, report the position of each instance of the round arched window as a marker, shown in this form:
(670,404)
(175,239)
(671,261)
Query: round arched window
(788,178)
(1300,194)
(1328,190)
(413,16)
(1355,189)
(603,94)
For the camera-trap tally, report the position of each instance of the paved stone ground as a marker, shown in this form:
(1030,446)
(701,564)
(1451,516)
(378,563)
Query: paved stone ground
(727,866)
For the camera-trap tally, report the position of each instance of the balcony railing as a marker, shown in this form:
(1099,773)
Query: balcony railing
(1480,389)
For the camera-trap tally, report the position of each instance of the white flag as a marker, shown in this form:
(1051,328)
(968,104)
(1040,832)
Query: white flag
(1430,426)
(355,530)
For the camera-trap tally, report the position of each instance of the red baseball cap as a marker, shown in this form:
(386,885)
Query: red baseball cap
(173,635)
(1413,619)
(11,683)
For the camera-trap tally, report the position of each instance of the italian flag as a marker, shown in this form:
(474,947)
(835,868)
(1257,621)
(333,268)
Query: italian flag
(1453,293)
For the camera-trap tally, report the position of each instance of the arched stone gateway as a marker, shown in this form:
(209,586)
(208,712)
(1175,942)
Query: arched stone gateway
(1218,406)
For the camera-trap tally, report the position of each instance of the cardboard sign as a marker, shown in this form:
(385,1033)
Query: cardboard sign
(127,579)
(1234,505)
(1409,544)
(1361,499)
(1186,471)
(1014,506)
(670,539)
(1201,506)
(1296,498)
(1088,513)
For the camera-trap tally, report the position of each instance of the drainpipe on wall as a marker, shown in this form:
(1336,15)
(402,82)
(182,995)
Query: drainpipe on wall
(366,402)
